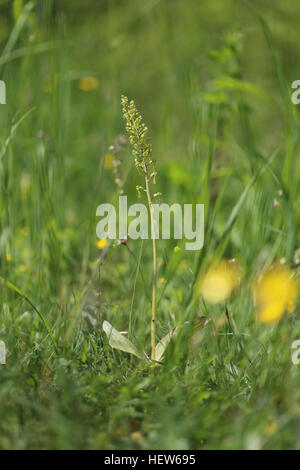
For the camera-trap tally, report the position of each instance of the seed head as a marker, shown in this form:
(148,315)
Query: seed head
(138,135)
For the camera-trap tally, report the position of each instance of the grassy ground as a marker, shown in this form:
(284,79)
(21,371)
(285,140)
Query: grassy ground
(213,83)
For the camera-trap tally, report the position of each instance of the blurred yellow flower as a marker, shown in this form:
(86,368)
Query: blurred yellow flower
(270,313)
(275,293)
(137,436)
(100,244)
(270,429)
(219,282)
(22,268)
(108,161)
(8,257)
(88,84)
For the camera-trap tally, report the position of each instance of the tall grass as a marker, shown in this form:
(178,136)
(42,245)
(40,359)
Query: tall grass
(227,135)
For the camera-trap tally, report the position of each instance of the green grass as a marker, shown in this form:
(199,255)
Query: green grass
(212,80)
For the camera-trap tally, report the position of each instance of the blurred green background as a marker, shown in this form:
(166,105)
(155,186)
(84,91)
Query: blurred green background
(179,60)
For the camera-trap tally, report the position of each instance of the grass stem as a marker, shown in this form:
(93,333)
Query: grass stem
(154,254)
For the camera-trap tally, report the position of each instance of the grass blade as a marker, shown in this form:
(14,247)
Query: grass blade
(11,286)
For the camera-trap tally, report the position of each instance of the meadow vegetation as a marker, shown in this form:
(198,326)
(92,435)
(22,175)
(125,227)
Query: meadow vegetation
(213,83)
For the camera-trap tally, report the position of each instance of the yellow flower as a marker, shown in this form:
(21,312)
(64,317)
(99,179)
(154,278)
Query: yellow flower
(275,293)
(270,429)
(101,243)
(22,268)
(271,313)
(137,436)
(8,257)
(108,161)
(88,84)
(219,282)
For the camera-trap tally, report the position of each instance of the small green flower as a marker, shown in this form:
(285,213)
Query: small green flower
(138,137)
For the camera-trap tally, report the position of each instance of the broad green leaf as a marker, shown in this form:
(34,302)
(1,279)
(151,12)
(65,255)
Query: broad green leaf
(118,341)
(163,344)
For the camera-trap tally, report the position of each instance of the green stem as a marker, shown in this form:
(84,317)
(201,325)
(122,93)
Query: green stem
(153,312)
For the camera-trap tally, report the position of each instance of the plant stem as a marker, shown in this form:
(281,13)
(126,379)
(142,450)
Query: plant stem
(154,282)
